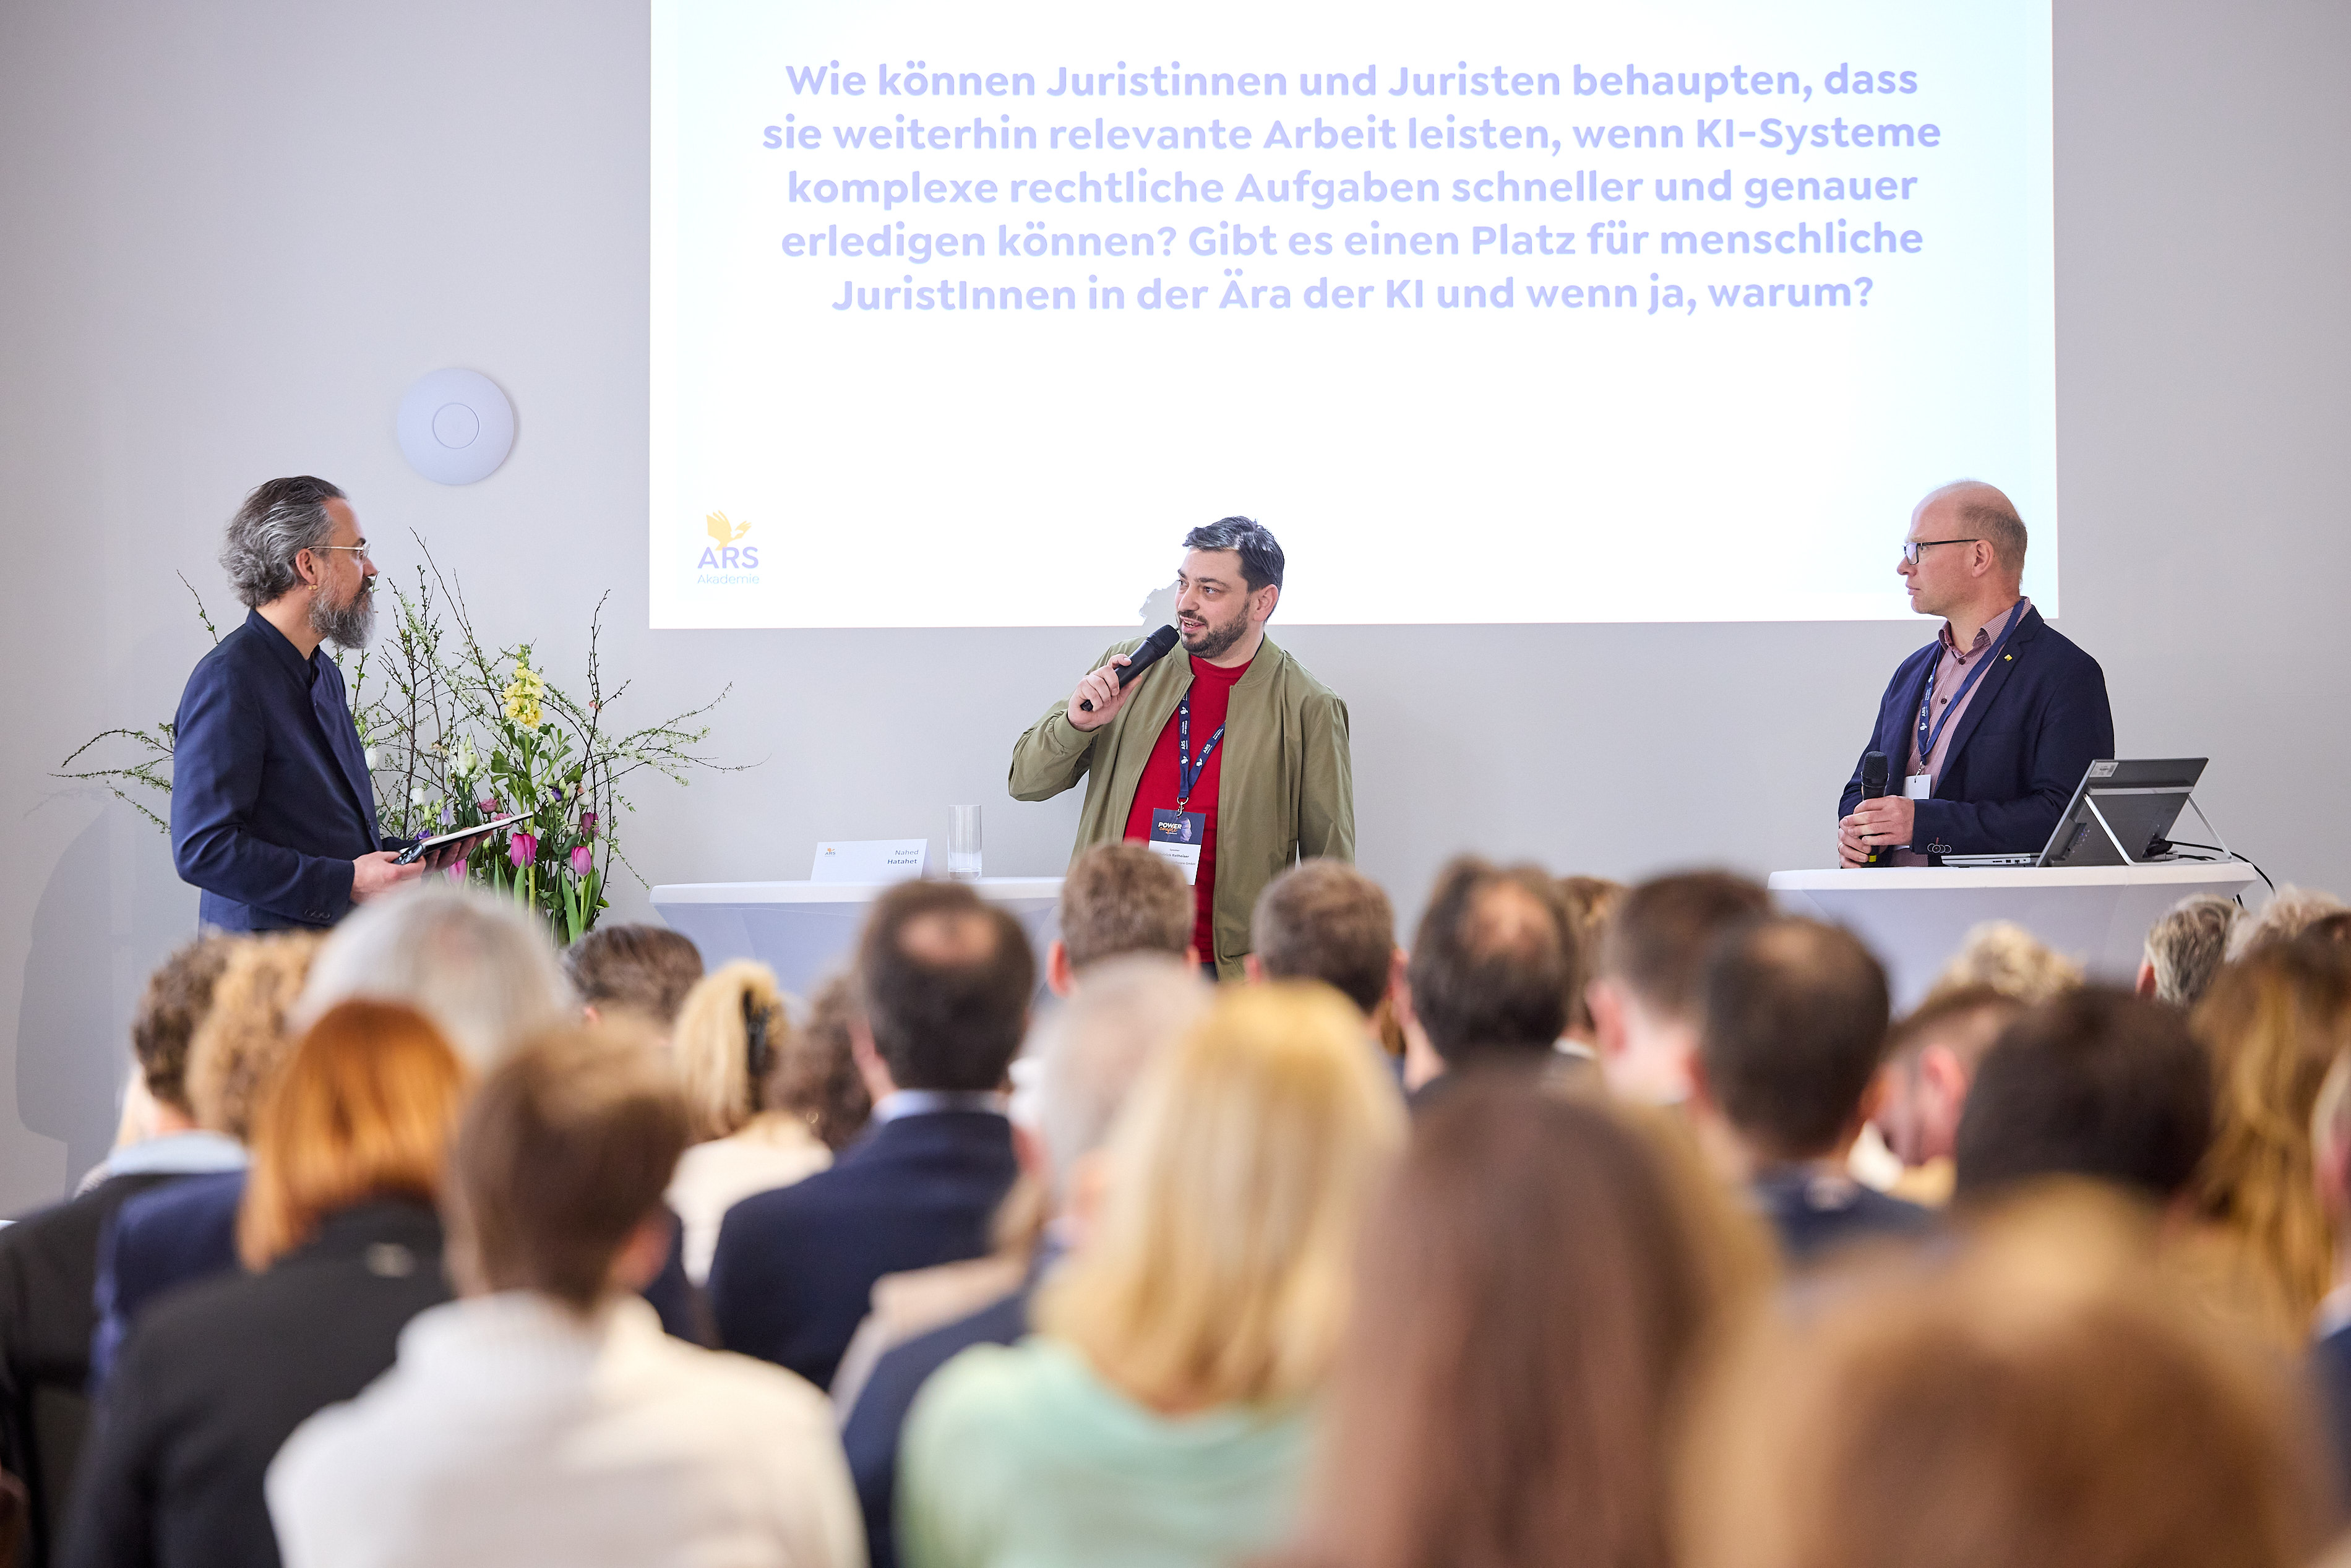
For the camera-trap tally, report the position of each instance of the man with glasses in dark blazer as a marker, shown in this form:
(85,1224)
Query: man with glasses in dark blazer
(273,815)
(1989,729)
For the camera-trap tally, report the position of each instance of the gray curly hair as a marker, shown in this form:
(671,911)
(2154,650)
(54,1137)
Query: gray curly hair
(277,522)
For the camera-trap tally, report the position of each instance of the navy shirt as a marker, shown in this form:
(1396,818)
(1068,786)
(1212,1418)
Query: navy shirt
(270,797)
(1817,1212)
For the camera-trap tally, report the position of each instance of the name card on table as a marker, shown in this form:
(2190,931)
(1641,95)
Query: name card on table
(870,860)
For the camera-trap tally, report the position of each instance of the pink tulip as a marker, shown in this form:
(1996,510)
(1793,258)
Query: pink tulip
(581,860)
(522,849)
(490,808)
(455,871)
(586,824)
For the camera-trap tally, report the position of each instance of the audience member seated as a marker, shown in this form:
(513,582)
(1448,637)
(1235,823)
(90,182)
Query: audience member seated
(1088,1055)
(2039,1400)
(1324,920)
(1930,1059)
(544,1417)
(479,966)
(642,972)
(1487,982)
(2290,911)
(731,1038)
(945,980)
(1644,985)
(339,1227)
(2011,960)
(158,1242)
(2185,948)
(1162,1412)
(1118,899)
(48,1260)
(1590,900)
(2095,1083)
(2274,1023)
(1546,1278)
(1792,1031)
(819,1066)
(2330,1351)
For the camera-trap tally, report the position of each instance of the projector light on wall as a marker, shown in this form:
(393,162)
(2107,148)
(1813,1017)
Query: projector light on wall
(455,427)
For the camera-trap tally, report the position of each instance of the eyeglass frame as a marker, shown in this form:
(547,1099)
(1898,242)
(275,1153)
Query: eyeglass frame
(1910,548)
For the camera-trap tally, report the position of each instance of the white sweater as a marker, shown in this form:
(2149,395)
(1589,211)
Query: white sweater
(512,1432)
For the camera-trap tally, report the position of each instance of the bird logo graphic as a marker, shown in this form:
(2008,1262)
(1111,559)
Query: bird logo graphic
(725,532)
(723,553)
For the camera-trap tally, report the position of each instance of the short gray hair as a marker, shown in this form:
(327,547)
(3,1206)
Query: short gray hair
(2186,946)
(481,969)
(1092,1051)
(2290,911)
(277,522)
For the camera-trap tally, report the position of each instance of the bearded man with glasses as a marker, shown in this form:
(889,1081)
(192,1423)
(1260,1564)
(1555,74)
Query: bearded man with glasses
(273,814)
(1988,729)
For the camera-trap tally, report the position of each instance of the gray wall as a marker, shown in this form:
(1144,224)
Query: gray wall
(235,232)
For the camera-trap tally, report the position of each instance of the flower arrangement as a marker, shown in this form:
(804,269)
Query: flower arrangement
(458,733)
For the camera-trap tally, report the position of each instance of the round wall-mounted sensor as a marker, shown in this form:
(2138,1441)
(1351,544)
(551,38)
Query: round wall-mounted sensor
(455,427)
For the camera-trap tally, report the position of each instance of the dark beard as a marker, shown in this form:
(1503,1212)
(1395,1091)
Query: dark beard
(347,625)
(1214,643)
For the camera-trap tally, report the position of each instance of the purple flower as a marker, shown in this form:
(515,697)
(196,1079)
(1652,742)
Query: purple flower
(490,808)
(588,824)
(581,860)
(522,849)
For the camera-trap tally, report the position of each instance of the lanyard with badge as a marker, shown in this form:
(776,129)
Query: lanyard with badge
(1916,786)
(1178,834)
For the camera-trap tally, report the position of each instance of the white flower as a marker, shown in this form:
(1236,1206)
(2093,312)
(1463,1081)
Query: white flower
(416,796)
(370,755)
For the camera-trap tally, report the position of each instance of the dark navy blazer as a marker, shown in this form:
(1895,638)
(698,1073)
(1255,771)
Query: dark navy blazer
(2038,720)
(270,796)
(794,1269)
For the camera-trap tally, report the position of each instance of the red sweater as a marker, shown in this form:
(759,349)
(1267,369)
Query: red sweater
(1212,689)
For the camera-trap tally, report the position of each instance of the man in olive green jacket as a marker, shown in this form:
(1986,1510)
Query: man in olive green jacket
(1273,772)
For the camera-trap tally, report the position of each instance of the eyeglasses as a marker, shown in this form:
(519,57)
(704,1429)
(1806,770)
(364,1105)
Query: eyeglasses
(355,549)
(1910,548)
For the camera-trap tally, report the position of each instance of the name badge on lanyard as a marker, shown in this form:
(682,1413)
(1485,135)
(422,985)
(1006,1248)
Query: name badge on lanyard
(1918,787)
(1177,835)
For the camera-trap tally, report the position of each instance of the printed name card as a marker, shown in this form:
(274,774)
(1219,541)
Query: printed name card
(870,860)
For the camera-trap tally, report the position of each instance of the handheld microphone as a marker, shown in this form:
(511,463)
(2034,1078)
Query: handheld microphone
(1154,648)
(1873,788)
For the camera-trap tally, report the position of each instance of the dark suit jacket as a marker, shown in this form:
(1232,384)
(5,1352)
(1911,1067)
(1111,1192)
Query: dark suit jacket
(794,1271)
(270,796)
(212,1382)
(2330,1371)
(2038,720)
(48,1261)
(156,1243)
(871,1435)
(1816,1218)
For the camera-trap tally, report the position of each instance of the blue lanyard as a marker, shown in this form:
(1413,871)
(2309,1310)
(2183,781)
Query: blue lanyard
(1188,768)
(1928,735)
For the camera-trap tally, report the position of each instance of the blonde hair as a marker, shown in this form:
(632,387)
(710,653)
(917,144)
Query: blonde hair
(712,1038)
(245,1037)
(2039,1397)
(2274,1023)
(2009,959)
(1219,1271)
(362,1110)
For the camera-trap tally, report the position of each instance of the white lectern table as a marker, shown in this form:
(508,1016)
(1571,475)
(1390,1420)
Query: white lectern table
(1914,917)
(801,930)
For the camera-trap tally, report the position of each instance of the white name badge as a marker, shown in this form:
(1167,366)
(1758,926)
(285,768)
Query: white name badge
(1176,836)
(870,860)
(1918,787)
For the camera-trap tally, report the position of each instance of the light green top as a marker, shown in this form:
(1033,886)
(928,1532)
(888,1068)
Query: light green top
(1022,1457)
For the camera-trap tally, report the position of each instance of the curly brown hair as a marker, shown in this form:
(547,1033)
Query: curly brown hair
(243,1039)
(177,997)
(815,1077)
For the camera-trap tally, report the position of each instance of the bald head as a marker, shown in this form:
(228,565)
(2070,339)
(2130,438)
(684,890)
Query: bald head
(1971,507)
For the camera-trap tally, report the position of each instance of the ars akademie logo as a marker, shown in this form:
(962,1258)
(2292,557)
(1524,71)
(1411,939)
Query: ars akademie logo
(725,560)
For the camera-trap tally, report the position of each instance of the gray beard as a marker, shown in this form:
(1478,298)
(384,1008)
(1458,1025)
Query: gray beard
(1214,643)
(346,625)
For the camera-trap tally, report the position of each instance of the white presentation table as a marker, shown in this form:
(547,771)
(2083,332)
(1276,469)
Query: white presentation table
(1914,917)
(804,930)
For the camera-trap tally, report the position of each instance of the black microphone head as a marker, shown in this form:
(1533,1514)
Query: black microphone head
(1159,641)
(1872,774)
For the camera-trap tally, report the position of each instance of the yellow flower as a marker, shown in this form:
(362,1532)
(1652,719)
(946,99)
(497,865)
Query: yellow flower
(523,693)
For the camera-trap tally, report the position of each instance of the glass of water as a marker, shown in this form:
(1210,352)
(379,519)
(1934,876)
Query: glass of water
(963,843)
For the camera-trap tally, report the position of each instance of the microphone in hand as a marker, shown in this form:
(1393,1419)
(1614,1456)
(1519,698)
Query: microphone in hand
(1154,648)
(1873,788)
